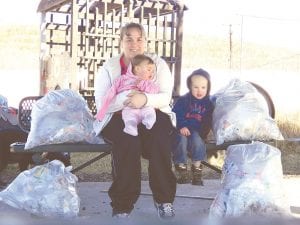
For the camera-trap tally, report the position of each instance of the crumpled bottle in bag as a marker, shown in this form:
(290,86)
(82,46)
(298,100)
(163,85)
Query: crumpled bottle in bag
(46,190)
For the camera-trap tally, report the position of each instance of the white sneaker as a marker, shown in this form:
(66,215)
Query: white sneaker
(121,215)
(165,210)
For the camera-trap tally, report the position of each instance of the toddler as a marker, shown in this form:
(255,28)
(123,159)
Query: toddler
(193,123)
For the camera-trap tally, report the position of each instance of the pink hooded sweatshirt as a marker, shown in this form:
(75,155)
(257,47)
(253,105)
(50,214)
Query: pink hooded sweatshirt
(125,82)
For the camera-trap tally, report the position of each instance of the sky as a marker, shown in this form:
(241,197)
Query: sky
(24,13)
(274,22)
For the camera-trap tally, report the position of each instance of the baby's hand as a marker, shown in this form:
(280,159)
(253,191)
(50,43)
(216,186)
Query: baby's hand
(136,100)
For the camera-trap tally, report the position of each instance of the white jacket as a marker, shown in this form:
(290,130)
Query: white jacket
(111,69)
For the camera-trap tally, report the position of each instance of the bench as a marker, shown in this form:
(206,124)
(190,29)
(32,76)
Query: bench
(24,117)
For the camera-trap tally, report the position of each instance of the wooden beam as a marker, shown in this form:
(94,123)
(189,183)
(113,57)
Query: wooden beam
(46,5)
(74,43)
(178,53)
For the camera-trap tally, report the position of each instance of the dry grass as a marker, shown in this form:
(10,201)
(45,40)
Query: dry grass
(289,124)
(19,47)
(212,52)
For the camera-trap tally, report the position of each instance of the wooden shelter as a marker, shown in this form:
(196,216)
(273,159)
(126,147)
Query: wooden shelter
(77,36)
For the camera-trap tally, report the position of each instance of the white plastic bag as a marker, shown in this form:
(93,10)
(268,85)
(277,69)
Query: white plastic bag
(8,115)
(241,113)
(252,182)
(61,116)
(46,190)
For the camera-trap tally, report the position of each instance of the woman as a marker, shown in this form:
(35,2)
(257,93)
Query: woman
(153,144)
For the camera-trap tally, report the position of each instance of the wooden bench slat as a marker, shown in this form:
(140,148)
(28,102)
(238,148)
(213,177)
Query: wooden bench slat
(212,146)
(105,147)
(64,147)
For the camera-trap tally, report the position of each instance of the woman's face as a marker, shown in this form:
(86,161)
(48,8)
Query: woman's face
(133,43)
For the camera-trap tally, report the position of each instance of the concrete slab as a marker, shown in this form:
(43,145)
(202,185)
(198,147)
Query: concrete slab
(191,204)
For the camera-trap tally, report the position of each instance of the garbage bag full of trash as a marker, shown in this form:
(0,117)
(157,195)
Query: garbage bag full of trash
(61,116)
(47,190)
(241,113)
(252,182)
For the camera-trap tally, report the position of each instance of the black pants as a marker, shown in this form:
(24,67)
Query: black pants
(154,145)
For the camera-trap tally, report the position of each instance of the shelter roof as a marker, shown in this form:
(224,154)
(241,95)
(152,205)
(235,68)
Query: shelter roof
(48,5)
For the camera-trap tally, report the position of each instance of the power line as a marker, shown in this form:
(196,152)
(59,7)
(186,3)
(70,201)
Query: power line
(269,18)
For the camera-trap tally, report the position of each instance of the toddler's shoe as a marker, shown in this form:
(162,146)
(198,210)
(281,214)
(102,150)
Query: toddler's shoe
(182,174)
(197,175)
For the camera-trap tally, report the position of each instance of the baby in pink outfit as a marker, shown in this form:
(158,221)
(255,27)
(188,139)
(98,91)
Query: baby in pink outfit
(138,77)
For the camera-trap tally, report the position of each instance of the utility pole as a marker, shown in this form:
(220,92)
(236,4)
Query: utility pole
(241,51)
(230,46)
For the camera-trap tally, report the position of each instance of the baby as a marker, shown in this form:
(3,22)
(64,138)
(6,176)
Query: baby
(138,77)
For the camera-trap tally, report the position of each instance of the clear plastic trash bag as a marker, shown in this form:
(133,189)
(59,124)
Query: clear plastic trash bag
(61,116)
(241,113)
(47,190)
(3,101)
(252,182)
(8,115)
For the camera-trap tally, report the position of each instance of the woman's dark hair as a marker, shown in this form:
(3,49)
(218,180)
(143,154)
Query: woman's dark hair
(199,72)
(128,26)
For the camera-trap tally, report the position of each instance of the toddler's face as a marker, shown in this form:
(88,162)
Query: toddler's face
(145,71)
(199,86)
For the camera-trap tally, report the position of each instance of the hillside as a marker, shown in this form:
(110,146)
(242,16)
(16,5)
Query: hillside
(19,48)
(212,52)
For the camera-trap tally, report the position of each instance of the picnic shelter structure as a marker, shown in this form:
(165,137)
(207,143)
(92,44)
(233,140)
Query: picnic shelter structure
(77,36)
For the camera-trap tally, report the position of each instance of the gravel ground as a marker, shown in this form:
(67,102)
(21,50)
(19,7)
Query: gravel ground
(11,172)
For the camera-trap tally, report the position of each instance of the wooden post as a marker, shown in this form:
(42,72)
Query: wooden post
(44,54)
(178,54)
(73,82)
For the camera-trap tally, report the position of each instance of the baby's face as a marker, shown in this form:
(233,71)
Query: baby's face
(199,86)
(145,71)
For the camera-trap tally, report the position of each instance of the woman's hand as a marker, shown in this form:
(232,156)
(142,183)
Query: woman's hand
(185,131)
(136,100)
